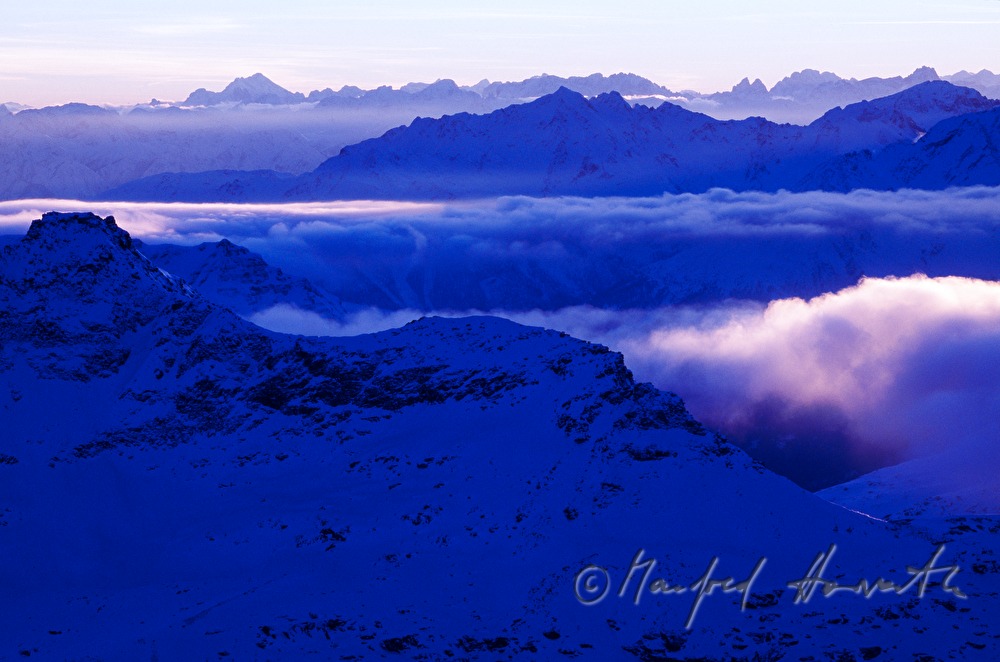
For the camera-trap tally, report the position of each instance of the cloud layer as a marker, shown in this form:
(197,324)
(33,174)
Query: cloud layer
(549,254)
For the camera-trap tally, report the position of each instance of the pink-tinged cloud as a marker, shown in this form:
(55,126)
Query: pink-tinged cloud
(890,369)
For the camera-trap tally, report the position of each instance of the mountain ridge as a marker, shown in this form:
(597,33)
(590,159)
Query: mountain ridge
(214,463)
(76,151)
(566,144)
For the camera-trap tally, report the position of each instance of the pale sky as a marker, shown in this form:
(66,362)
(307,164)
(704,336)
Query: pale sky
(111,51)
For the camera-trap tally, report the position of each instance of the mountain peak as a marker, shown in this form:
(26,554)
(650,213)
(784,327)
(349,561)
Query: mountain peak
(563,91)
(611,100)
(746,87)
(562,97)
(258,82)
(227,248)
(77,279)
(61,227)
(924,74)
(920,107)
(108,262)
(256,88)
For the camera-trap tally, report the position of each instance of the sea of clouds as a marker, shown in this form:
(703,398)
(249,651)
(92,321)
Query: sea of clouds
(884,365)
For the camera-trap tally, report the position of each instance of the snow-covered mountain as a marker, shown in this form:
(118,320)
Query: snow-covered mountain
(566,144)
(257,88)
(178,483)
(955,482)
(959,151)
(902,117)
(235,278)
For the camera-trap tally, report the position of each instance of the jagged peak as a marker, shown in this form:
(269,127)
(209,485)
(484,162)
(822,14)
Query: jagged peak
(924,73)
(757,86)
(812,76)
(612,100)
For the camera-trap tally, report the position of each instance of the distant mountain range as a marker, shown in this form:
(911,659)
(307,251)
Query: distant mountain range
(798,98)
(566,144)
(78,150)
(805,95)
(485,95)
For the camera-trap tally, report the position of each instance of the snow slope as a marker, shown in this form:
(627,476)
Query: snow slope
(180,484)
(957,482)
(959,151)
(235,278)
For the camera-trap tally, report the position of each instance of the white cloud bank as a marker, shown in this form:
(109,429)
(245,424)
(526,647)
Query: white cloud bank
(909,365)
